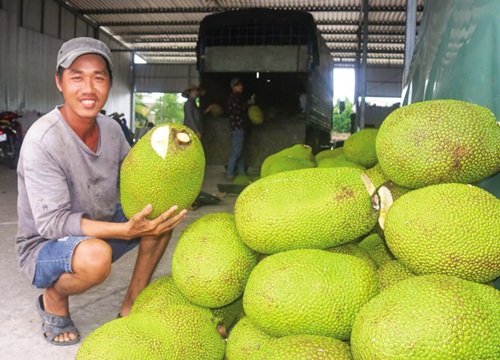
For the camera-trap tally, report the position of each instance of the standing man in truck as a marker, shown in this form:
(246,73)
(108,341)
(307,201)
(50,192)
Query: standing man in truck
(237,111)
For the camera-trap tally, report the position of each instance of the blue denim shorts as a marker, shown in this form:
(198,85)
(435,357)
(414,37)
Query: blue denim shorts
(55,256)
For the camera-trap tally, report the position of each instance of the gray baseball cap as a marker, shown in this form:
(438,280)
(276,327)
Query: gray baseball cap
(76,47)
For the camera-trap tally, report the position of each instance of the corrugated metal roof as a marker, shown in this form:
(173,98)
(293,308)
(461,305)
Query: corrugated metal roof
(165,31)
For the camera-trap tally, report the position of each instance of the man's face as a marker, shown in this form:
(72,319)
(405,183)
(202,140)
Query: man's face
(85,86)
(238,88)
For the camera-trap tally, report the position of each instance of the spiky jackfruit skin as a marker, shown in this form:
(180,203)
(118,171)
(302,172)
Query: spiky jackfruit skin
(376,175)
(439,141)
(159,294)
(300,151)
(338,162)
(330,153)
(163,293)
(148,178)
(447,228)
(355,250)
(304,346)
(284,163)
(134,337)
(211,263)
(308,208)
(392,272)
(360,147)
(308,291)
(192,333)
(429,317)
(245,339)
(377,247)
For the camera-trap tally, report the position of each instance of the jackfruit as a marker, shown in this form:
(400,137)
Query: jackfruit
(308,208)
(165,168)
(439,141)
(159,294)
(133,337)
(377,247)
(338,162)
(429,317)
(192,333)
(330,153)
(308,291)
(304,346)
(211,264)
(255,115)
(355,250)
(360,147)
(446,228)
(392,272)
(285,163)
(216,110)
(299,151)
(163,293)
(244,340)
(376,175)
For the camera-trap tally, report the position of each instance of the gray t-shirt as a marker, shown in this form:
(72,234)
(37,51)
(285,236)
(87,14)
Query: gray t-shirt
(60,180)
(192,116)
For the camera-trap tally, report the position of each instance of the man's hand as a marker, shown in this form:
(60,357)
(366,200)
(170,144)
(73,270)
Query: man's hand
(139,226)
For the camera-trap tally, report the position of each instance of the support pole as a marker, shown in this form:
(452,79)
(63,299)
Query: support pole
(411,30)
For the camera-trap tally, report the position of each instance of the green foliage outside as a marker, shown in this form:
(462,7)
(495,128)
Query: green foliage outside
(342,120)
(168,109)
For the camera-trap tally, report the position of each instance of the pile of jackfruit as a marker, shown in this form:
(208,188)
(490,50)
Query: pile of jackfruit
(386,248)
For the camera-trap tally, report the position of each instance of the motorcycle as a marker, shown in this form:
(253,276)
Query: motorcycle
(11,135)
(118,117)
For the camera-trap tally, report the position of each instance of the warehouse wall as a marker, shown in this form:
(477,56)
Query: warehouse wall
(30,37)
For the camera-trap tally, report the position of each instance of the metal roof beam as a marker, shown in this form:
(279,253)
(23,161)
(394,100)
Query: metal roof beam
(185,10)
(192,23)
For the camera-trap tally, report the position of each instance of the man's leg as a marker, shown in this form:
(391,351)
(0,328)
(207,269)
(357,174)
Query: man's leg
(151,250)
(237,138)
(91,265)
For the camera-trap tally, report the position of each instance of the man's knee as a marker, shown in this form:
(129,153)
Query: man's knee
(92,258)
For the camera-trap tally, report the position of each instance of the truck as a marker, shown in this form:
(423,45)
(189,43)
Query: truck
(282,59)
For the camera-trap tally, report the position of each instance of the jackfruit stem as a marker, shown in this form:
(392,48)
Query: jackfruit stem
(183,138)
(222,330)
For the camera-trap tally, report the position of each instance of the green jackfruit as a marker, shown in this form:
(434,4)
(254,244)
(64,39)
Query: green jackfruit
(285,163)
(244,340)
(355,250)
(308,208)
(216,110)
(297,151)
(255,115)
(446,228)
(360,147)
(308,291)
(377,247)
(159,294)
(165,168)
(392,272)
(211,264)
(134,337)
(429,317)
(338,162)
(304,346)
(439,141)
(330,153)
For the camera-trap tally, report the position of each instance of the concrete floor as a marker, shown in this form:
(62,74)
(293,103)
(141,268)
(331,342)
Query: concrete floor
(20,330)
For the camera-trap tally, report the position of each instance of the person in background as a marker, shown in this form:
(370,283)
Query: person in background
(237,111)
(192,112)
(71,228)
